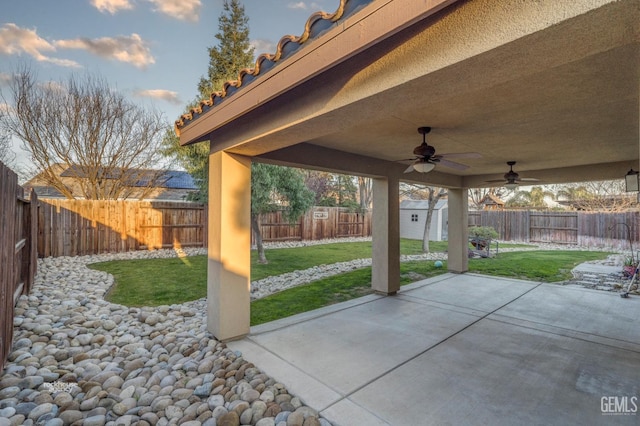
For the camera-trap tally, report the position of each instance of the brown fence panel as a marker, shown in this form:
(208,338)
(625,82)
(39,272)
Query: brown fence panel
(82,227)
(554,227)
(18,260)
(316,224)
(609,229)
(594,229)
(511,225)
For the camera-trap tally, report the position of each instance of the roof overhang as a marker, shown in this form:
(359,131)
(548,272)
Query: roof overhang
(552,85)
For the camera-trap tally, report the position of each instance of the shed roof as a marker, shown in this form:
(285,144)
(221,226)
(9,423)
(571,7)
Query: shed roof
(421,204)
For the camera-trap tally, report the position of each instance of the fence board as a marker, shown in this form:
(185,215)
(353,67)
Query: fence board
(593,229)
(18,249)
(82,227)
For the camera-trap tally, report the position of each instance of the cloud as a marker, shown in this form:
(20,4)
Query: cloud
(111,6)
(132,50)
(298,5)
(165,95)
(184,10)
(263,46)
(15,41)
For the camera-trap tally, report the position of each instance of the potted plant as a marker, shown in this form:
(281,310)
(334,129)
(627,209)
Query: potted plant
(481,236)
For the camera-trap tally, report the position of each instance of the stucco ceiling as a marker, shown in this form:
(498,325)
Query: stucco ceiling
(559,97)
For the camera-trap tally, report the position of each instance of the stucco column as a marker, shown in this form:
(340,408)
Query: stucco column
(229,266)
(458,260)
(385,246)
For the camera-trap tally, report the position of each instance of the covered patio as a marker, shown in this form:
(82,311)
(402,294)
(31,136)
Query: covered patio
(551,85)
(461,349)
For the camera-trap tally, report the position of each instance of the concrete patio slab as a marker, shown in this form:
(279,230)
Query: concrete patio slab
(462,349)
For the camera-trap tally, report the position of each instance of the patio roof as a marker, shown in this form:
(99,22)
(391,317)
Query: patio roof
(553,86)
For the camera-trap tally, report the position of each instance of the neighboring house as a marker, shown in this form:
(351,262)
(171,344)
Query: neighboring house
(413,216)
(491,202)
(158,185)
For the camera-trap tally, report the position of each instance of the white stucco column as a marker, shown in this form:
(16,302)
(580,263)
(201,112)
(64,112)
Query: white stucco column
(458,260)
(385,247)
(229,266)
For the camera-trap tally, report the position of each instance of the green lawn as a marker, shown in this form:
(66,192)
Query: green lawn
(154,282)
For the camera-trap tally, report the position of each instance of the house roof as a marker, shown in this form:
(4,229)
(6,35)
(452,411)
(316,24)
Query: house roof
(491,199)
(170,179)
(316,25)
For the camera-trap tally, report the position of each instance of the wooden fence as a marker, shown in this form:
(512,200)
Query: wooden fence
(595,229)
(18,256)
(317,224)
(82,227)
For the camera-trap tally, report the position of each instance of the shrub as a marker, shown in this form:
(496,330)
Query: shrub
(483,232)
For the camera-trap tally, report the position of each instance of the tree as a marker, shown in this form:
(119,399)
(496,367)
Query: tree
(533,198)
(227,58)
(595,196)
(365,192)
(6,154)
(82,125)
(272,188)
(233,52)
(432,195)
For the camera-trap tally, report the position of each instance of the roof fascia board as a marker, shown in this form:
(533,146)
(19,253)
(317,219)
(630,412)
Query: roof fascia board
(375,22)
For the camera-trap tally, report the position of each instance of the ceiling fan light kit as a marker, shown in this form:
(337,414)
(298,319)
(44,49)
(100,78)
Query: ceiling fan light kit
(423,167)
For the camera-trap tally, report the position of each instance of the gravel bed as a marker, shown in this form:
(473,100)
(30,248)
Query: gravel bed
(79,360)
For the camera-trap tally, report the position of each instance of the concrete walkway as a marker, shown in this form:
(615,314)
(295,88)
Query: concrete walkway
(462,349)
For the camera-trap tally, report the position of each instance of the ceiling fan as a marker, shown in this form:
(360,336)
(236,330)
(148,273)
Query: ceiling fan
(426,158)
(511,178)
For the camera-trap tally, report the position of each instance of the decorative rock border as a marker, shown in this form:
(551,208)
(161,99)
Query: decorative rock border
(80,360)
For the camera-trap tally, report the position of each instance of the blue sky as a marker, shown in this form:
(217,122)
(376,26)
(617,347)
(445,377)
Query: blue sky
(153,51)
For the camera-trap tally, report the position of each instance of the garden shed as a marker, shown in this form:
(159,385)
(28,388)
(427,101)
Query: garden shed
(413,216)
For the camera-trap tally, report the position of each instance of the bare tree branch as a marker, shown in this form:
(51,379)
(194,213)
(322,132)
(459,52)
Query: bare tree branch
(107,145)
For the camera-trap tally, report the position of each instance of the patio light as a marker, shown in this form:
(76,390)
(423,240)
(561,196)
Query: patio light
(423,167)
(511,185)
(632,181)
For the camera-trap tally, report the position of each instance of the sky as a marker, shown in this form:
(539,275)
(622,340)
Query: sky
(152,51)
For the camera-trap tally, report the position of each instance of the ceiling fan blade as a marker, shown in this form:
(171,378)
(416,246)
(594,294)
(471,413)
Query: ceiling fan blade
(461,155)
(409,169)
(528,180)
(453,165)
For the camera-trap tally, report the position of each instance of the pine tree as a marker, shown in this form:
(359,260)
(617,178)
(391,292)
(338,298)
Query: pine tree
(227,58)
(233,51)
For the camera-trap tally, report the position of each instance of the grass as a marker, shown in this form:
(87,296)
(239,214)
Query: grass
(331,290)
(155,282)
(546,266)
